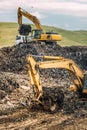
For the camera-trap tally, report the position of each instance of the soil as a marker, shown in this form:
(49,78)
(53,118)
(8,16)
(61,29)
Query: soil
(16,111)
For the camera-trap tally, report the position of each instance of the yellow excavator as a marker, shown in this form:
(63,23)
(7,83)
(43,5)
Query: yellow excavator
(78,78)
(38,34)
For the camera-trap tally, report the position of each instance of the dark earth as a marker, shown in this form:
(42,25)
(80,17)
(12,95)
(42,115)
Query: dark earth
(16,112)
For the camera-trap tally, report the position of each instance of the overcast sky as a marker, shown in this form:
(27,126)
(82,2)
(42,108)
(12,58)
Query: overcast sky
(66,14)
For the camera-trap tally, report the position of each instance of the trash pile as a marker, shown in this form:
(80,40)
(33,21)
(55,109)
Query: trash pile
(13,59)
(16,92)
(13,67)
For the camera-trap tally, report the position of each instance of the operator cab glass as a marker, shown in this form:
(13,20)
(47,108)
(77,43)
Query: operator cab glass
(36,34)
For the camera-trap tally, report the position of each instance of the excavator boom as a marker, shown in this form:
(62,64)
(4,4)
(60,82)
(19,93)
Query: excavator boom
(24,13)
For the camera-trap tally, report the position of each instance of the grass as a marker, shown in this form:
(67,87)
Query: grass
(8,32)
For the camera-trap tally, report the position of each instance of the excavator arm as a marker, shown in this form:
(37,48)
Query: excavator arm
(33,72)
(24,13)
(55,62)
(76,74)
(67,64)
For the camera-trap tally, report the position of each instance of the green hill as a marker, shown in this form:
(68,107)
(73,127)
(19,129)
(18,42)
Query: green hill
(8,32)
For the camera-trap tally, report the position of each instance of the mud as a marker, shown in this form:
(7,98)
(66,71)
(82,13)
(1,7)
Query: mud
(16,93)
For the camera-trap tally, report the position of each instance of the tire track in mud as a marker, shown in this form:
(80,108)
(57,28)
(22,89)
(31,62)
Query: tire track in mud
(42,121)
(24,119)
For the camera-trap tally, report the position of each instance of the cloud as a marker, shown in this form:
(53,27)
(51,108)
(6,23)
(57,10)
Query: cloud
(64,7)
(38,15)
(81,1)
(45,10)
(66,25)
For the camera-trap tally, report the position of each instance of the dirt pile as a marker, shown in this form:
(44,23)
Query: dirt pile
(13,59)
(78,54)
(15,87)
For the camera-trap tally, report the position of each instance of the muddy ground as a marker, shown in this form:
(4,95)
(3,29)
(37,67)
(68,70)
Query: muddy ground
(16,93)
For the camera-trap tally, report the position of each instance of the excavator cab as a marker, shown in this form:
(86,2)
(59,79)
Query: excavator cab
(36,34)
(48,37)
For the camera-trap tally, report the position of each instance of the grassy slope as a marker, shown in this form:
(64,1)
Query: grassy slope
(8,32)
(73,37)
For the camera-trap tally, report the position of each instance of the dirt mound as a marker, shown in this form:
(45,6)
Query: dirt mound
(78,54)
(16,92)
(10,81)
(13,59)
(13,62)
